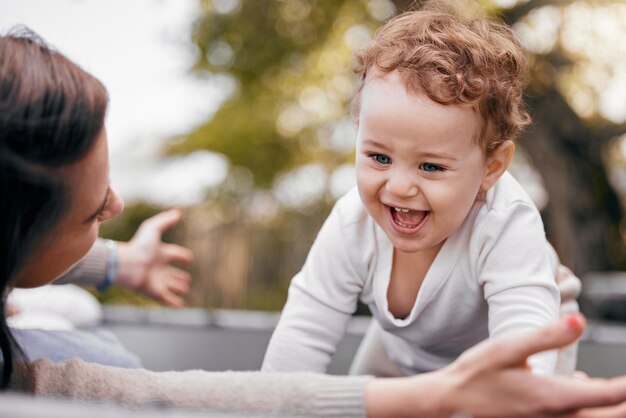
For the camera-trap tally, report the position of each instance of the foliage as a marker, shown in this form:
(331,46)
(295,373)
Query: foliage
(291,62)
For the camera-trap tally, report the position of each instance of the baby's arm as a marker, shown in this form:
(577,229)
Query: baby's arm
(517,269)
(322,298)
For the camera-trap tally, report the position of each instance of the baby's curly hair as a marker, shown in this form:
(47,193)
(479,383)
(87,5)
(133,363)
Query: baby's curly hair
(453,60)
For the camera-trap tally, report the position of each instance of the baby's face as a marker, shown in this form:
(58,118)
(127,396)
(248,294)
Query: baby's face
(419,166)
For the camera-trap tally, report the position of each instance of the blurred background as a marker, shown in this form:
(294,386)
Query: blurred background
(236,111)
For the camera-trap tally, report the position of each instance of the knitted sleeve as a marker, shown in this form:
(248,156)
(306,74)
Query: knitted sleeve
(254,392)
(90,270)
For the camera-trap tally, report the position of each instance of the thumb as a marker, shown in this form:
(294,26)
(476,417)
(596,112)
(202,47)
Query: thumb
(162,221)
(513,350)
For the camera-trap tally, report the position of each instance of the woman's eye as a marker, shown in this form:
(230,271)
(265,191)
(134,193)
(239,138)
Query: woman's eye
(431,168)
(381,158)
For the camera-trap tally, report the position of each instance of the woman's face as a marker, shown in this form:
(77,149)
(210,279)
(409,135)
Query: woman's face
(92,201)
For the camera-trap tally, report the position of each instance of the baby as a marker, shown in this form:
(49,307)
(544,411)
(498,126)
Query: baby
(441,243)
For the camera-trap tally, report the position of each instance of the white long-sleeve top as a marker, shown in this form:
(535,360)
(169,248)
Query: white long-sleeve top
(494,275)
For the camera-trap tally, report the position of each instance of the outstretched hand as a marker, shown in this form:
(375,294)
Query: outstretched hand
(145,262)
(493,380)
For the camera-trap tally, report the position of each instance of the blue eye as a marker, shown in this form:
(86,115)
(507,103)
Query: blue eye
(431,168)
(381,159)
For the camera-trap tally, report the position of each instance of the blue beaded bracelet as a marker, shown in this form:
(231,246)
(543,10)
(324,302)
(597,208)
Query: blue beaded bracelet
(112,265)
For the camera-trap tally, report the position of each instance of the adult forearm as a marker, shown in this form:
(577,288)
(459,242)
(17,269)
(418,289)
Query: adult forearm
(253,392)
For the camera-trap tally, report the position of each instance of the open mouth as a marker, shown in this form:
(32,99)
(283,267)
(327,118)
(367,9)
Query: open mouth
(407,220)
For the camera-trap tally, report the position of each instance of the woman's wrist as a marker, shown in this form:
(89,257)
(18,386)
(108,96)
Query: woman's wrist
(130,267)
(416,396)
(112,266)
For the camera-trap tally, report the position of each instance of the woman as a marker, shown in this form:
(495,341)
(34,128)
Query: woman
(54,193)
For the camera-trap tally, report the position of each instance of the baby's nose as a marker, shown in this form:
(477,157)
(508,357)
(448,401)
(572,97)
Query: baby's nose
(401,185)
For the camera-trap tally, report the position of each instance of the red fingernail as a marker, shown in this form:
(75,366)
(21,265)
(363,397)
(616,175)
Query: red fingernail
(574,321)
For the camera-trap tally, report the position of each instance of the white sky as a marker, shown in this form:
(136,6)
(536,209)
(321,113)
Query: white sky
(141,51)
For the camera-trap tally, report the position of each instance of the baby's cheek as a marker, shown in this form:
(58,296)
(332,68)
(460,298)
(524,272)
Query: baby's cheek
(454,202)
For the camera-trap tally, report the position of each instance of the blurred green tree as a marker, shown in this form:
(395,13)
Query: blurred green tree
(291,61)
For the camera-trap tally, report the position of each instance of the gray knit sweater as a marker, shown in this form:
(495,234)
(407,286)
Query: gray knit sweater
(293,394)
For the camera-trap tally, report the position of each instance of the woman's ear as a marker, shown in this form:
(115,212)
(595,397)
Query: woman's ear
(497,163)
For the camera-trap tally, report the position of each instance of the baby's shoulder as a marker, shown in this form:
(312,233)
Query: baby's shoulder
(358,229)
(507,208)
(507,194)
(350,209)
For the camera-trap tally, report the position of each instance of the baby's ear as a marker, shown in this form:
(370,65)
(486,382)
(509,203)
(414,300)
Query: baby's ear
(497,163)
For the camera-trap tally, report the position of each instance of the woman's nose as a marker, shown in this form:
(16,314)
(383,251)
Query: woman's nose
(115,206)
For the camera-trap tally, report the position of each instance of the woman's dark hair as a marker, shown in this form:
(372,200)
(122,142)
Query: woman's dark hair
(51,112)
